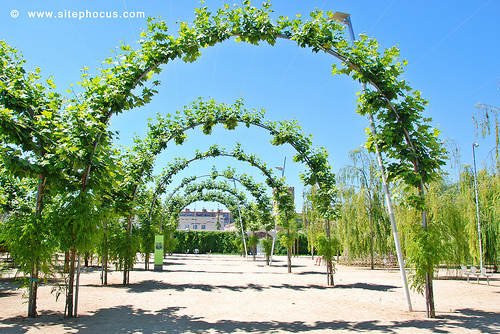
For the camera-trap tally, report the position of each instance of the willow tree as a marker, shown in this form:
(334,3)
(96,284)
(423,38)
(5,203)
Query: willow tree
(489,214)
(314,221)
(487,123)
(450,210)
(364,218)
(486,115)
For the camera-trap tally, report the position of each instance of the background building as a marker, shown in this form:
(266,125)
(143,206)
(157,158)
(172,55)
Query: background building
(205,220)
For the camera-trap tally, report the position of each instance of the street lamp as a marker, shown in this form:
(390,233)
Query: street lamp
(282,169)
(474,145)
(275,231)
(346,19)
(241,222)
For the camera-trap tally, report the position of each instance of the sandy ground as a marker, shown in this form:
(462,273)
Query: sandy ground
(231,294)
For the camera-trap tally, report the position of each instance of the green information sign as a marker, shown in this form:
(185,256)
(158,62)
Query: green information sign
(158,252)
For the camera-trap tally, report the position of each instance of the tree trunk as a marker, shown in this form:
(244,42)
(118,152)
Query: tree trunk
(33,286)
(297,247)
(429,293)
(71,283)
(146,261)
(288,253)
(429,296)
(33,291)
(66,262)
(104,279)
(289,259)
(329,268)
(265,249)
(328,259)
(371,230)
(126,264)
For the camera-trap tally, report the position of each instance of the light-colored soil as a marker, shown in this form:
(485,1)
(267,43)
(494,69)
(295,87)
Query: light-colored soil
(231,294)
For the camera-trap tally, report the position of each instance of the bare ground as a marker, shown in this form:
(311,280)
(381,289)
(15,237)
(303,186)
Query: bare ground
(231,294)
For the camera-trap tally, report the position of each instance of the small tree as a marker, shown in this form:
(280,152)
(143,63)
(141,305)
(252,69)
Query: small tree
(327,248)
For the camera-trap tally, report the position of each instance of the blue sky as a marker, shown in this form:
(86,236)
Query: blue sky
(452,49)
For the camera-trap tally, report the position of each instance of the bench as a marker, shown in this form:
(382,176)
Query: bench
(466,272)
(485,274)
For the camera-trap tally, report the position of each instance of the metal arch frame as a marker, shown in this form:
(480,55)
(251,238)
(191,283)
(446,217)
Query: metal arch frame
(329,51)
(267,173)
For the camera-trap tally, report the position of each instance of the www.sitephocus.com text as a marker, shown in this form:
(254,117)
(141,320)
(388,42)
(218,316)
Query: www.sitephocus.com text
(80,15)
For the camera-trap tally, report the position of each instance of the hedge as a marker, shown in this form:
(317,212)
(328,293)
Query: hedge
(219,242)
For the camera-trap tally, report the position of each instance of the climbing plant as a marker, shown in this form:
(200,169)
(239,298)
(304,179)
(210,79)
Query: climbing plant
(209,113)
(411,145)
(257,190)
(173,168)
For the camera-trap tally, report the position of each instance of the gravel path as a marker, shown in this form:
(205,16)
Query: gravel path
(230,294)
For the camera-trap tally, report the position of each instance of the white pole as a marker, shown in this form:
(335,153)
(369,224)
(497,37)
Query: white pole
(241,223)
(75,312)
(282,169)
(474,145)
(275,233)
(390,209)
(388,199)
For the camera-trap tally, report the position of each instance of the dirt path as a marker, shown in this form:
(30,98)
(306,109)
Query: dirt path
(230,294)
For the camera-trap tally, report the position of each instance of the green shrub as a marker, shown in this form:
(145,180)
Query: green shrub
(206,241)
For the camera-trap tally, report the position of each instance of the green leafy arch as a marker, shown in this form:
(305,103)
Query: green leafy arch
(215,151)
(230,199)
(403,134)
(257,190)
(210,113)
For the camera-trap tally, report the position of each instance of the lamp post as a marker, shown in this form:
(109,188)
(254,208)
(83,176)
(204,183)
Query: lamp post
(241,223)
(346,19)
(275,232)
(474,145)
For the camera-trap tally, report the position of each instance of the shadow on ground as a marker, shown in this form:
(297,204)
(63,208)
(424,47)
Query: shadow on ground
(366,286)
(171,320)
(154,285)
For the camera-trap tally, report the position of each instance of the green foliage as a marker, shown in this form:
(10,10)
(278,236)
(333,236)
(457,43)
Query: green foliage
(77,219)
(483,118)
(123,247)
(63,141)
(30,243)
(281,249)
(314,222)
(170,244)
(327,247)
(424,251)
(206,241)
(364,228)
(253,240)
(267,245)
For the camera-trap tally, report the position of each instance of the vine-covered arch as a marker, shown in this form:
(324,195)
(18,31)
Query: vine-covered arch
(257,190)
(210,113)
(414,153)
(403,134)
(173,168)
(222,196)
(395,105)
